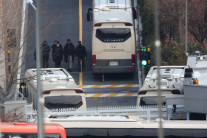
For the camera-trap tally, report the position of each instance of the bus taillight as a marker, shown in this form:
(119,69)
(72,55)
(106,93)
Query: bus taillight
(46,92)
(128,24)
(94,60)
(98,24)
(133,59)
(79,91)
(175,92)
(129,68)
(142,92)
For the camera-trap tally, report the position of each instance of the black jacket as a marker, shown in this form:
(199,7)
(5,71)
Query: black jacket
(45,50)
(69,49)
(81,52)
(57,53)
(53,46)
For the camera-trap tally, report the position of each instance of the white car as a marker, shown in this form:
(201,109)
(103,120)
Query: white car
(59,89)
(171,83)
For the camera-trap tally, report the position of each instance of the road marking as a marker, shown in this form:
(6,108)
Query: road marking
(111,86)
(96,95)
(128,94)
(112,95)
(80,79)
(129,85)
(95,86)
(80,38)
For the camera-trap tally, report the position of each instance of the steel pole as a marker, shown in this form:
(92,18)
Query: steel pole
(158,59)
(39,92)
(186,27)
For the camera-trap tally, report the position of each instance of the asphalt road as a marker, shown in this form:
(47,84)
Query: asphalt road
(59,20)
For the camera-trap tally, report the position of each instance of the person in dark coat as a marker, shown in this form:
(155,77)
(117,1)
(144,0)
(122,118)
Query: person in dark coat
(81,55)
(53,47)
(55,43)
(45,50)
(57,54)
(69,53)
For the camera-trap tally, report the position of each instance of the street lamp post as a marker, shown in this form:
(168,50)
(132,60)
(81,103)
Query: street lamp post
(158,63)
(39,93)
(186,27)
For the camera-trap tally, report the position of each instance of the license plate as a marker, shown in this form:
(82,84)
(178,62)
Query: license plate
(113,63)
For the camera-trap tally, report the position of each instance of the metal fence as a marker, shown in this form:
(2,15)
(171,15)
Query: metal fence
(145,112)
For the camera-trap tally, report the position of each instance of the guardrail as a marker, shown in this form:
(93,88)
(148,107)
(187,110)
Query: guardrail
(26,113)
(145,112)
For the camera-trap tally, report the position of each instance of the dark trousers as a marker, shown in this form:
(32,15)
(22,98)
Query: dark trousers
(57,62)
(79,64)
(45,63)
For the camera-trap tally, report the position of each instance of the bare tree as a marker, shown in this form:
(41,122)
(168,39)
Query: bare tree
(11,45)
(172,15)
(197,22)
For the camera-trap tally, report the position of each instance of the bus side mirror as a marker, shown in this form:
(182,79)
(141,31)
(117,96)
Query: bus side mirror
(188,73)
(89,14)
(134,13)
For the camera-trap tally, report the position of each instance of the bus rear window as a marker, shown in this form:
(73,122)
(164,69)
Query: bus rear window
(113,34)
(74,101)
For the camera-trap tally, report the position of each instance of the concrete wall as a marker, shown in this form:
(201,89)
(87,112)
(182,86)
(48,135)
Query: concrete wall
(15,111)
(195,98)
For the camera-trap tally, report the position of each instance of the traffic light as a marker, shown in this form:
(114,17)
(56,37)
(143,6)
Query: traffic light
(145,56)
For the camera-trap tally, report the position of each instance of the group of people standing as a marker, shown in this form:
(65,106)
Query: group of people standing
(69,52)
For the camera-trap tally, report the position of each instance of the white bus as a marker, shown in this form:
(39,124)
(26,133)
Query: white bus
(171,83)
(58,87)
(113,39)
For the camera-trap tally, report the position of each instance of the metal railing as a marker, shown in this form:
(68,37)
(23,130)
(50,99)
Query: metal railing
(145,112)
